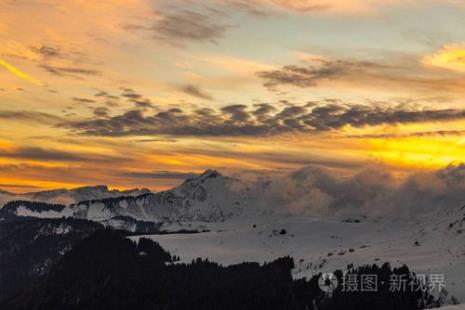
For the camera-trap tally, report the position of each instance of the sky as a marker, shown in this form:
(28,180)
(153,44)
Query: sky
(144,93)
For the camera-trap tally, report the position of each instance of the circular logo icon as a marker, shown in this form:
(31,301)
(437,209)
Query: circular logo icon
(328,282)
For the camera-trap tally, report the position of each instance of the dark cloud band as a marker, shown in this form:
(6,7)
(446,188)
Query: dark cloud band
(260,120)
(319,70)
(52,155)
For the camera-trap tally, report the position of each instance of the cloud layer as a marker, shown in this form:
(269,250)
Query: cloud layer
(261,120)
(177,27)
(51,155)
(372,192)
(310,75)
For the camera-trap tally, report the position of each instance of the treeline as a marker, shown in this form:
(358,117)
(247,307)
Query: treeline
(29,248)
(10,208)
(108,271)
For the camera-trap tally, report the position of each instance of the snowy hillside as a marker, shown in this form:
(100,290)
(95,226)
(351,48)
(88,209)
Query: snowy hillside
(431,244)
(40,210)
(70,196)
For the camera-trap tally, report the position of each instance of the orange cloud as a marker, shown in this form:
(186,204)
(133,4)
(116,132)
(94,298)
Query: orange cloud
(451,57)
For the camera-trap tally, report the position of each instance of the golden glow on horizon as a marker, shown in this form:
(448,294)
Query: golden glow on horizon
(25,185)
(418,153)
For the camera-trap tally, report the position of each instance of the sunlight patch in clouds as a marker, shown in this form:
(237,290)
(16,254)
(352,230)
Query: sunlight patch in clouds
(418,153)
(450,57)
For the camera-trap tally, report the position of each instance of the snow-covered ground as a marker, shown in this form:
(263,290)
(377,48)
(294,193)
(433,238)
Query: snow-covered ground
(456,307)
(432,244)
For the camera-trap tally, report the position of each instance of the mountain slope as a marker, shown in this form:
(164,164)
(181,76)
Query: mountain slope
(431,244)
(70,196)
(32,209)
(31,246)
(210,197)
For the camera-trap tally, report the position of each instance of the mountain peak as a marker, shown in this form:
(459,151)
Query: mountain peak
(102,188)
(210,174)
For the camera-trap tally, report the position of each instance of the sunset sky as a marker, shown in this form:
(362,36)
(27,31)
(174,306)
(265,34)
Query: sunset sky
(143,93)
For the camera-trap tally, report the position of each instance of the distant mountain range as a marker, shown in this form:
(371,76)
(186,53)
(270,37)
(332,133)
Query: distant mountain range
(209,197)
(69,196)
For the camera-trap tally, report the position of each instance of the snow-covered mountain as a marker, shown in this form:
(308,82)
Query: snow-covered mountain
(41,210)
(69,196)
(24,208)
(210,197)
